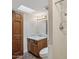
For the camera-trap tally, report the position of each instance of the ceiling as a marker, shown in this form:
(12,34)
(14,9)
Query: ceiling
(34,4)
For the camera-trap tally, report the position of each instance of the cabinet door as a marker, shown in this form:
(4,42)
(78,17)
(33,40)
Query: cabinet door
(36,50)
(30,46)
(42,44)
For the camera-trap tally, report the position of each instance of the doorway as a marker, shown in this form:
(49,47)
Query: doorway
(30,28)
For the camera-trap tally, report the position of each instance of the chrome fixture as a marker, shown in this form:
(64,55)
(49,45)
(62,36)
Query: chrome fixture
(59,1)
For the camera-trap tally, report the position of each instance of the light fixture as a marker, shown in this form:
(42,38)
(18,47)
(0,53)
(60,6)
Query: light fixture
(26,9)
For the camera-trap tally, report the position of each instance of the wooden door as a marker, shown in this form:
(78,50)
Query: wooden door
(17,33)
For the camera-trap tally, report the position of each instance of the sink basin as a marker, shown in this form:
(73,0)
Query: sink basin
(37,37)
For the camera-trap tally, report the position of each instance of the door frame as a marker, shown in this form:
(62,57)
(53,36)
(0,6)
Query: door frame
(50,29)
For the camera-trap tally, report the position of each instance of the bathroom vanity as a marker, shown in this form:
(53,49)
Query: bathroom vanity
(36,44)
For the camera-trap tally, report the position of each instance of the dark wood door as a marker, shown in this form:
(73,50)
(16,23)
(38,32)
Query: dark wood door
(17,33)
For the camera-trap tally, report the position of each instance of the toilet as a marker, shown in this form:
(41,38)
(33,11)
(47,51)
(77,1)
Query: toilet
(44,53)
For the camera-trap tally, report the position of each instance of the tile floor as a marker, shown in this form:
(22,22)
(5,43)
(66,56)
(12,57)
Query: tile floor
(27,56)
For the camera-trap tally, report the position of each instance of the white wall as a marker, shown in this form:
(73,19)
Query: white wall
(27,29)
(57,39)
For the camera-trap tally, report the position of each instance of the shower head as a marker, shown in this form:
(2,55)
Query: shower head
(59,1)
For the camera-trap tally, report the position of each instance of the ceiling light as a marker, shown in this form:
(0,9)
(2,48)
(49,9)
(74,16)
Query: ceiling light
(26,9)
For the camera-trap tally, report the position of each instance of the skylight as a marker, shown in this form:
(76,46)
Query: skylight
(26,9)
